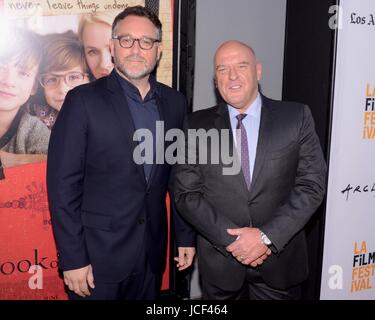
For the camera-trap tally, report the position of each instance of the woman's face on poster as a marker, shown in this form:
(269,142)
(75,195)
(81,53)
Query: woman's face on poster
(96,38)
(57,84)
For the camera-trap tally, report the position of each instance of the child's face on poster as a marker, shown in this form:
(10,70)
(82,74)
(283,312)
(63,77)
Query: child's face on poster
(60,82)
(17,84)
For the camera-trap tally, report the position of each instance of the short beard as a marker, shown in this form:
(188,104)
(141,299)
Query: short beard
(141,74)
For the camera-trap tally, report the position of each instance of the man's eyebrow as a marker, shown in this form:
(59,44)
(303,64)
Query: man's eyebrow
(238,63)
(220,66)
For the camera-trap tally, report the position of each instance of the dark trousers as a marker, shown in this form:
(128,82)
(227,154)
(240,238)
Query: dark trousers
(254,288)
(141,284)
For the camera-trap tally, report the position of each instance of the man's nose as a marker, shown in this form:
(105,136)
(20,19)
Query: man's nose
(135,49)
(233,75)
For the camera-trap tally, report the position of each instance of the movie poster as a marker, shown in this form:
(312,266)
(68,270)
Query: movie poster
(349,242)
(47,47)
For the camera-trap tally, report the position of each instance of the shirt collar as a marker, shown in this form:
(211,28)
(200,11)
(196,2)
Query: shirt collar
(253,110)
(132,91)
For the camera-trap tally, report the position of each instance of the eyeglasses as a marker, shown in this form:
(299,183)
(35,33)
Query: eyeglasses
(127,42)
(72,79)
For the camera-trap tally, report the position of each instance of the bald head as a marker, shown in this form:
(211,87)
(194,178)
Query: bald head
(237,74)
(233,44)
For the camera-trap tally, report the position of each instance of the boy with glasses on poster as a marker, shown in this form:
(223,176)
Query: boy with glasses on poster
(63,68)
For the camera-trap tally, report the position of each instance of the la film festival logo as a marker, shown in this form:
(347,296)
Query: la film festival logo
(369,113)
(363,268)
(362,273)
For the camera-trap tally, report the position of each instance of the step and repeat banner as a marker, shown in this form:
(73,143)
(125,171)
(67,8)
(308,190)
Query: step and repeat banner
(349,244)
(39,39)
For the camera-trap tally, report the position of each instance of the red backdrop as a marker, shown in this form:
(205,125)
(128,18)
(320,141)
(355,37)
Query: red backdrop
(27,240)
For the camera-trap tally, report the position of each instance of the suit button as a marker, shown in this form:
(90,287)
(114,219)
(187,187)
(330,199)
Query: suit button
(141,221)
(249,203)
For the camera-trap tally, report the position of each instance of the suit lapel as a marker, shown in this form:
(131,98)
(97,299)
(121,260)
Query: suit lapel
(263,141)
(223,122)
(120,105)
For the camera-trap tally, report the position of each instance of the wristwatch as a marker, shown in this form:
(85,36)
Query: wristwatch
(266,241)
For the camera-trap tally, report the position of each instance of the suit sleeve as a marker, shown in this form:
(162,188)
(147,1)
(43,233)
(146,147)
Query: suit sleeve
(65,176)
(308,190)
(184,233)
(191,203)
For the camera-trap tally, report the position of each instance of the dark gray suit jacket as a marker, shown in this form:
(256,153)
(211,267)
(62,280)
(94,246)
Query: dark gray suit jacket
(288,185)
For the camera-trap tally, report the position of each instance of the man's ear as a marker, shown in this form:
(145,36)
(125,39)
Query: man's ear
(112,50)
(112,47)
(160,50)
(259,68)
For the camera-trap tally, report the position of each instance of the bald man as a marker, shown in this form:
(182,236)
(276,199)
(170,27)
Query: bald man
(251,241)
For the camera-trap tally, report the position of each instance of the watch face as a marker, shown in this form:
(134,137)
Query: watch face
(265,240)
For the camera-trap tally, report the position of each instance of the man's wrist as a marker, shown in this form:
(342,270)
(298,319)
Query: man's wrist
(265,240)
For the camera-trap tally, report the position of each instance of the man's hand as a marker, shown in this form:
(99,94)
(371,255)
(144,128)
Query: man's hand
(185,257)
(78,279)
(248,248)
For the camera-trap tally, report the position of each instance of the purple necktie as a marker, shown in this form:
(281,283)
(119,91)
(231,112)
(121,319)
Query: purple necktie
(245,161)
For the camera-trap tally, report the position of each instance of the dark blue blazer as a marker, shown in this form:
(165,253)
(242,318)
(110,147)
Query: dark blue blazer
(103,210)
